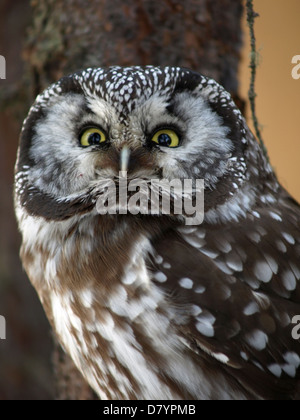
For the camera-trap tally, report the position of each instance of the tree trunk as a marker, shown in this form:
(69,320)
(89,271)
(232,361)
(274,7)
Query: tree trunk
(68,35)
(25,369)
(201,34)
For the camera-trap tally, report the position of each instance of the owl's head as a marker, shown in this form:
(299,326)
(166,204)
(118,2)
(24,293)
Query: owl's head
(155,123)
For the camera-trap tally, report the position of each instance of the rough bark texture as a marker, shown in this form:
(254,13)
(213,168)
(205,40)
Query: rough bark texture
(25,369)
(71,34)
(64,36)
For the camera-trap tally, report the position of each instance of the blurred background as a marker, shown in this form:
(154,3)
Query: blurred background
(278,101)
(25,355)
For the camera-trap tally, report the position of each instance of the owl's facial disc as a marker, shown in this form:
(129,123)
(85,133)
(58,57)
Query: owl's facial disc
(77,135)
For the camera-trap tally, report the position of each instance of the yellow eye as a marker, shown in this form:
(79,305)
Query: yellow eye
(166,138)
(92,136)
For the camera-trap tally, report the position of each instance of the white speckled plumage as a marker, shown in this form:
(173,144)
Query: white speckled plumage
(147,307)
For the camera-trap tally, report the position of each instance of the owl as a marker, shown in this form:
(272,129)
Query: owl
(147,305)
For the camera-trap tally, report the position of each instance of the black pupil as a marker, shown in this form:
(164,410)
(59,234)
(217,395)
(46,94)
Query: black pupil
(164,139)
(94,138)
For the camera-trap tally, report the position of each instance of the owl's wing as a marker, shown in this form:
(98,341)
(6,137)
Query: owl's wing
(240,284)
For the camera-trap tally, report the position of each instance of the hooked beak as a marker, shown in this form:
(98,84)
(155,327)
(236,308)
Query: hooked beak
(124,159)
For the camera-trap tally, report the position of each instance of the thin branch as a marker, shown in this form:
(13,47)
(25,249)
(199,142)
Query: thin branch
(251,15)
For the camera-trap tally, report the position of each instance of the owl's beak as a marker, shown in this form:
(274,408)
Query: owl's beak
(124,159)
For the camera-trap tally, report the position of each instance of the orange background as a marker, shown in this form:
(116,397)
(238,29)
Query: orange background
(278,101)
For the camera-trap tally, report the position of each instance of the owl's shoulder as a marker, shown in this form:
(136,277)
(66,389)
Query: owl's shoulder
(240,283)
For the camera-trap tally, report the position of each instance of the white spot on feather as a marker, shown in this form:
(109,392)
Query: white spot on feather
(194,241)
(290,370)
(160,277)
(200,289)
(226,292)
(292,359)
(223,267)
(205,324)
(281,246)
(275,216)
(196,310)
(289,280)
(205,329)
(262,300)
(223,245)
(86,297)
(166,265)
(221,357)
(254,236)
(234,262)
(159,259)
(275,370)
(289,238)
(272,263)
(296,270)
(129,277)
(257,339)
(209,253)
(186,283)
(244,356)
(251,309)
(263,271)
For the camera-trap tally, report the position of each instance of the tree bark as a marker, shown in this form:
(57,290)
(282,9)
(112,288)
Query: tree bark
(68,35)
(25,353)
